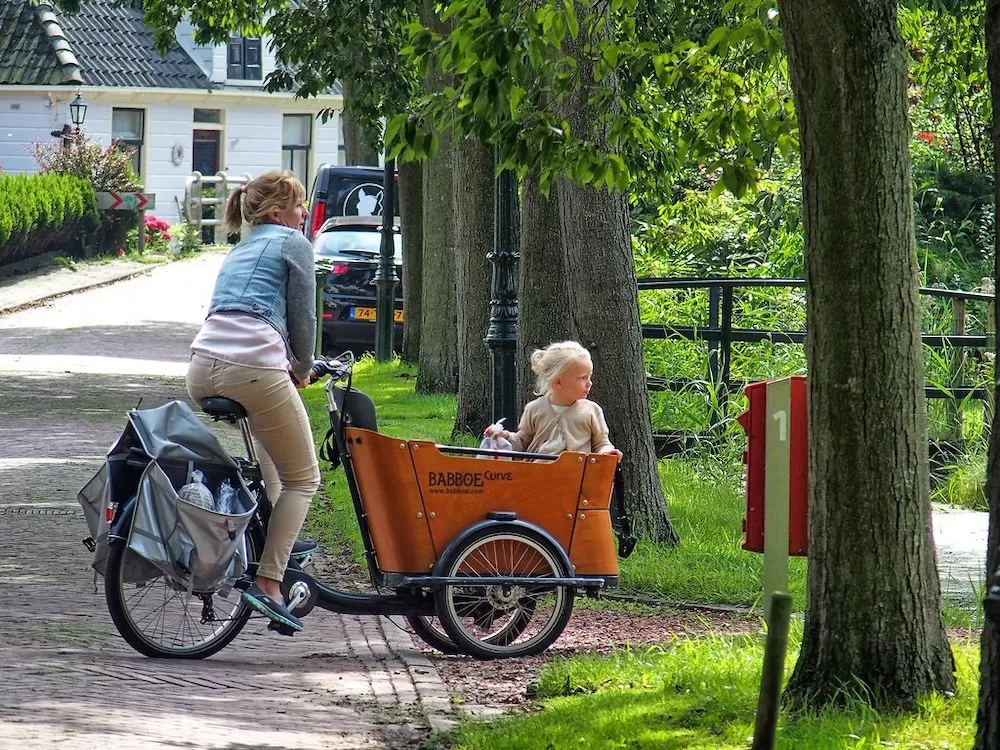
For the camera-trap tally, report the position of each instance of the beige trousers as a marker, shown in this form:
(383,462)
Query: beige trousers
(282,438)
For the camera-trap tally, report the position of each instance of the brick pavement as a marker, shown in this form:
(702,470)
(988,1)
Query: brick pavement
(69,681)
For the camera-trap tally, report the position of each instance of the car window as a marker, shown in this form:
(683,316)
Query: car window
(356,196)
(341,241)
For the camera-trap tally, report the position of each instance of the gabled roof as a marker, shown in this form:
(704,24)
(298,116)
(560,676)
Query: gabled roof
(33,48)
(102,45)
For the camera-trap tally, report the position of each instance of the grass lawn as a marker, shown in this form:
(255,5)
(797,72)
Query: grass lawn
(701,693)
(697,692)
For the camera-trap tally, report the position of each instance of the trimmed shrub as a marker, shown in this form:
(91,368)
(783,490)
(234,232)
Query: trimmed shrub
(43,212)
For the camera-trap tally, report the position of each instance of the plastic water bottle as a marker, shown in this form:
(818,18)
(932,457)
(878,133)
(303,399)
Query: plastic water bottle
(227,498)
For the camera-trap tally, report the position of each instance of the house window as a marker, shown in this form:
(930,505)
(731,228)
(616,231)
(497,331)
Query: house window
(244,58)
(208,116)
(296,141)
(128,126)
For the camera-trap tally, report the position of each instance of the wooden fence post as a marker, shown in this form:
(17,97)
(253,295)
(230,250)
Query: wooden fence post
(954,424)
(195,209)
(989,405)
(221,197)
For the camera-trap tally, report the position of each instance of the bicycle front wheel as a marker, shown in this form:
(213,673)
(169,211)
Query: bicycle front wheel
(159,618)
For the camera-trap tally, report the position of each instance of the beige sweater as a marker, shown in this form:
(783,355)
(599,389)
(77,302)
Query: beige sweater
(582,425)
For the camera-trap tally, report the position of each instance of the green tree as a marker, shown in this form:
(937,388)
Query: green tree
(873,611)
(988,716)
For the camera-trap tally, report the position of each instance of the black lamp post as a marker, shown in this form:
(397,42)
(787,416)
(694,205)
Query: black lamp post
(502,335)
(385,275)
(78,112)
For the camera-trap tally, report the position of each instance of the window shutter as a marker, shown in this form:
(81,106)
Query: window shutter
(234,69)
(251,51)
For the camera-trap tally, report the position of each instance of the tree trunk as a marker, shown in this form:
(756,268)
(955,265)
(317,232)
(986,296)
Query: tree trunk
(411,227)
(473,240)
(988,717)
(873,611)
(359,144)
(543,298)
(604,304)
(438,362)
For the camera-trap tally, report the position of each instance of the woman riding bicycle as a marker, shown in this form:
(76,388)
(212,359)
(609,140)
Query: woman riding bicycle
(256,347)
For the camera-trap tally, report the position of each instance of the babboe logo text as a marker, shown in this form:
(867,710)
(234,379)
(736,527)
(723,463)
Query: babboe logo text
(466,478)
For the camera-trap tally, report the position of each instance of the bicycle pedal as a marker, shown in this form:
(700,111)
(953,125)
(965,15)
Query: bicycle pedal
(280,627)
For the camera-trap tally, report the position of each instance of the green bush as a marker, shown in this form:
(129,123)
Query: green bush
(41,212)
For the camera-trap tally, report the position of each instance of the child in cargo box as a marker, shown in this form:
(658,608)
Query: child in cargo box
(562,418)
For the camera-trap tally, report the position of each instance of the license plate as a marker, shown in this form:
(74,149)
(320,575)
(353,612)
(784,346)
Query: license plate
(368,313)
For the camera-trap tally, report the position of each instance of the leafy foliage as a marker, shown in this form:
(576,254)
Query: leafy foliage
(705,86)
(107,168)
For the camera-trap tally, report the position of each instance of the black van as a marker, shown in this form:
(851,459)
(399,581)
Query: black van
(346,191)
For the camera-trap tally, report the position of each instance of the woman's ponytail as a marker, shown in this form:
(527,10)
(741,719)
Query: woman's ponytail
(233,219)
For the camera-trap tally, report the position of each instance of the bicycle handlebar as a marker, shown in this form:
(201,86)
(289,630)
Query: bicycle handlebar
(337,368)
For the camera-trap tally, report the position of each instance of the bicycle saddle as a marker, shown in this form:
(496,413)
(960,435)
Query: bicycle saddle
(218,407)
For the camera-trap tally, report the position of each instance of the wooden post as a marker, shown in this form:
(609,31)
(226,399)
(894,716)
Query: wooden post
(958,318)
(244,227)
(221,198)
(989,405)
(196,209)
(773,672)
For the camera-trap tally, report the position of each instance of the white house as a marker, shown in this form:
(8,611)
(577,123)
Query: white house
(197,108)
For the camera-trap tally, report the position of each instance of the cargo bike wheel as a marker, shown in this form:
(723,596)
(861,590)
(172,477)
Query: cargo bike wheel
(504,620)
(160,618)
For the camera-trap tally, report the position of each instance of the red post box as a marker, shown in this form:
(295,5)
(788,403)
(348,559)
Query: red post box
(777,462)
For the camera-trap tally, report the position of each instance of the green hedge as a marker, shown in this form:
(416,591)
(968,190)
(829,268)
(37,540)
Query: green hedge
(42,212)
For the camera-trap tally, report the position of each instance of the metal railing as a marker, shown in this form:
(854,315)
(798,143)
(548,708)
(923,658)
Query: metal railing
(720,334)
(220,185)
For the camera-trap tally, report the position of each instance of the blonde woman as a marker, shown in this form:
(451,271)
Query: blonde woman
(562,418)
(256,348)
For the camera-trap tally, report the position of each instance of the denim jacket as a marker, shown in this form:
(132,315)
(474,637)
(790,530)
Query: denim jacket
(272,275)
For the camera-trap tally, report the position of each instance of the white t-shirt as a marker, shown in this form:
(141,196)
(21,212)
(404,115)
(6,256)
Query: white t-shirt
(241,340)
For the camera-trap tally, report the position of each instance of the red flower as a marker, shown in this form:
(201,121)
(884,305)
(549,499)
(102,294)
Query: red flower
(927,137)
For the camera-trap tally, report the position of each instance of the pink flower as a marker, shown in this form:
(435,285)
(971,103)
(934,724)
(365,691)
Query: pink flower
(121,251)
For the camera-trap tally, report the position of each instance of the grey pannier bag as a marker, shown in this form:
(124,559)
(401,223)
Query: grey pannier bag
(198,548)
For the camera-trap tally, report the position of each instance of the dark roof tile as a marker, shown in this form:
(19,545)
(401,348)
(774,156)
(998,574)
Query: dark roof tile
(33,47)
(102,45)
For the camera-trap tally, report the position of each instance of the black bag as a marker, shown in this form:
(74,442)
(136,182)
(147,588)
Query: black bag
(626,539)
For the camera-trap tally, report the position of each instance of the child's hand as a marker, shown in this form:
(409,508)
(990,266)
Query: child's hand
(490,432)
(611,450)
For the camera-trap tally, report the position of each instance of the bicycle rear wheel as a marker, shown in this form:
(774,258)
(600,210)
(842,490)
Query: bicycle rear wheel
(159,618)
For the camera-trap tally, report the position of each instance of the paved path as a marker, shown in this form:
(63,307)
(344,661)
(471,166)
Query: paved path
(68,372)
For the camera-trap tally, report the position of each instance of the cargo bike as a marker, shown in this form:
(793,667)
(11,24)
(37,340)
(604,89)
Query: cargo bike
(482,557)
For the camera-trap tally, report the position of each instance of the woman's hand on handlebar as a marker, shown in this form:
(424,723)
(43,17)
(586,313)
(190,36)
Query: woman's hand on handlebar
(335,368)
(295,378)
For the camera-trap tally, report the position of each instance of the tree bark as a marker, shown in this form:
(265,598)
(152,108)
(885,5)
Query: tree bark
(438,362)
(411,227)
(988,716)
(359,145)
(873,610)
(604,304)
(473,196)
(543,298)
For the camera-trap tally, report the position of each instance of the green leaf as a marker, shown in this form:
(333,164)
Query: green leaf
(516,95)
(571,20)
